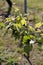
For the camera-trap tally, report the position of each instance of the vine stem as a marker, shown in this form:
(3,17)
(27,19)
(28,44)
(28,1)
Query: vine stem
(27,57)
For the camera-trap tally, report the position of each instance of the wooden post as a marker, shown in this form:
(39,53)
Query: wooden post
(25,6)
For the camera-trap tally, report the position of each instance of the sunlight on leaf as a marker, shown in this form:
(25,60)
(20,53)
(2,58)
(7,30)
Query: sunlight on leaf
(23,22)
(38,25)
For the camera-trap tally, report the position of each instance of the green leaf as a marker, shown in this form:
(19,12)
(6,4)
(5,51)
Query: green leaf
(26,39)
(27,48)
(2,24)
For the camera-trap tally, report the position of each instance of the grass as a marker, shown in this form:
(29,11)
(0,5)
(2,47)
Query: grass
(35,5)
(32,4)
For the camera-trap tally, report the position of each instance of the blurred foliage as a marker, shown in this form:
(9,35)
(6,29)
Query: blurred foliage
(23,31)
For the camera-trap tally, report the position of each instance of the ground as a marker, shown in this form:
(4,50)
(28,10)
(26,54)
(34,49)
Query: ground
(8,45)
